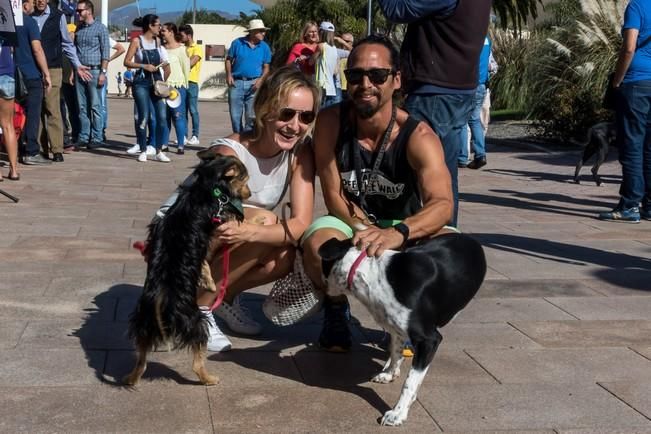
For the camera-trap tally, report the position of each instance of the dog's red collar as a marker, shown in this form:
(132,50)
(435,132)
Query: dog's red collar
(353,269)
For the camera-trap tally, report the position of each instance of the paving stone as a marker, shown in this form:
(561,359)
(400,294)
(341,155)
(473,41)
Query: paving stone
(605,431)
(582,334)
(534,288)
(235,368)
(58,269)
(24,307)
(166,409)
(635,392)
(606,308)
(67,243)
(528,407)
(25,283)
(327,370)
(646,352)
(55,367)
(89,285)
(510,309)
(10,332)
(88,334)
(563,366)
(299,408)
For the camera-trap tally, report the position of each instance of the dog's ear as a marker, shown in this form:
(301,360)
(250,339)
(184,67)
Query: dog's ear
(331,251)
(237,176)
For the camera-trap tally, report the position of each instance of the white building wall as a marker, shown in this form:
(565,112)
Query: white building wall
(213,34)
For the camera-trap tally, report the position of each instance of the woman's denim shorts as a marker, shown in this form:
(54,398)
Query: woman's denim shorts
(7,86)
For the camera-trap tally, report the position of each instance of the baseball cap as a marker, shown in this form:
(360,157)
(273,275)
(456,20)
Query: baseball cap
(327,26)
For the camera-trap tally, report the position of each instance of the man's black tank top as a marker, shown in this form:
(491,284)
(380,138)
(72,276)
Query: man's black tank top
(395,194)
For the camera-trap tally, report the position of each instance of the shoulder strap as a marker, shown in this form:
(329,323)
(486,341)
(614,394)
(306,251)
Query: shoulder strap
(288,178)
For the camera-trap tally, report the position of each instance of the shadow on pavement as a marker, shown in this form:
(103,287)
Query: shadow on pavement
(621,269)
(512,202)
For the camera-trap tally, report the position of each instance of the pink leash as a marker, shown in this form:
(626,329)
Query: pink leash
(226,260)
(353,269)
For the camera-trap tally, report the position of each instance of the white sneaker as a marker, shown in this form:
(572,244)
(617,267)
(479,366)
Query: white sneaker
(192,141)
(162,157)
(151,151)
(142,157)
(217,341)
(135,149)
(237,318)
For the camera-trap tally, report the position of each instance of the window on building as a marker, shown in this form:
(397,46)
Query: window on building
(215,52)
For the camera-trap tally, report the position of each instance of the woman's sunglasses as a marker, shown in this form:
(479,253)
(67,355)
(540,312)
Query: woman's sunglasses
(375,75)
(304,116)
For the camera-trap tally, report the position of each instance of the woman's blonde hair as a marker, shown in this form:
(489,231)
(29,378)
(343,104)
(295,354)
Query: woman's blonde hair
(308,25)
(274,93)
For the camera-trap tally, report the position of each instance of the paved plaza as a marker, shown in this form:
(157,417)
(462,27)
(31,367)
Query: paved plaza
(557,340)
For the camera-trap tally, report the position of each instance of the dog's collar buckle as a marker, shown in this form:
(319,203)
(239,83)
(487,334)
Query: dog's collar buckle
(224,200)
(354,267)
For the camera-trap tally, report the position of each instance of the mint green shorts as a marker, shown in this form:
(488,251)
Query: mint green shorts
(332,222)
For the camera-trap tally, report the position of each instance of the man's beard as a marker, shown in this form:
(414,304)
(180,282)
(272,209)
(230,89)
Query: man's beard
(366,110)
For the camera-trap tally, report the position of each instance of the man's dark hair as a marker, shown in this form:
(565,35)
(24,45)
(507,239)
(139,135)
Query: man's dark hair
(89,4)
(187,29)
(379,39)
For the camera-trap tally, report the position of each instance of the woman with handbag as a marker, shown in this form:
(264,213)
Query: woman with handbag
(148,57)
(178,79)
(7,93)
(279,159)
(631,83)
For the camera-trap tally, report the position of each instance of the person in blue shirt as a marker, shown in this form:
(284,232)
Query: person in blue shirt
(30,60)
(247,65)
(475,126)
(440,63)
(632,81)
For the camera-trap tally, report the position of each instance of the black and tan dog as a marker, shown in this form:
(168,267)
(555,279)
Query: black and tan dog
(177,247)
(600,137)
(411,294)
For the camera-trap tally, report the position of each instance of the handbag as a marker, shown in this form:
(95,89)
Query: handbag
(610,95)
(21,91)
(293,297)
(161,88)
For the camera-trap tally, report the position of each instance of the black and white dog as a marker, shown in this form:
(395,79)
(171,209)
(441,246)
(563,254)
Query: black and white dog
(599,138)
(410,294)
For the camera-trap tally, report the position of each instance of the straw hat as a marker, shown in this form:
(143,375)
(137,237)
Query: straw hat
(256,25)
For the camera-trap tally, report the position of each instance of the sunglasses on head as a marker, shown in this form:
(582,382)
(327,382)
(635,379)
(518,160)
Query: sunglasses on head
(375,75)
(304,116)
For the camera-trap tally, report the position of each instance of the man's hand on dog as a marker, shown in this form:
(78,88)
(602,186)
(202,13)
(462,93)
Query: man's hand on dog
(376,240)
(235,232)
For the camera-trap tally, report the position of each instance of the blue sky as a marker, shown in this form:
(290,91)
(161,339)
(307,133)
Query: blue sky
(231,6)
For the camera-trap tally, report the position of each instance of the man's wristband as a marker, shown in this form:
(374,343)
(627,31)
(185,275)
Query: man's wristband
(403,229)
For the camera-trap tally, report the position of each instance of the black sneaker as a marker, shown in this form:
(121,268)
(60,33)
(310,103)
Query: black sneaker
(477,163)
(335,335)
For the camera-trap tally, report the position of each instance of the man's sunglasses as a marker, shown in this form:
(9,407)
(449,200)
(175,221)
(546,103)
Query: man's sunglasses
(304,116)
(375,75)
(79,10)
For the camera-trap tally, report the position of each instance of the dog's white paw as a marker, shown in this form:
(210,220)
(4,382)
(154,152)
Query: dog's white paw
(384,377)
(393,418)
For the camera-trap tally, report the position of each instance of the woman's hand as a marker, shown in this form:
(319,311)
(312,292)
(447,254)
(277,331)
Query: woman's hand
(236,232)
(149,67)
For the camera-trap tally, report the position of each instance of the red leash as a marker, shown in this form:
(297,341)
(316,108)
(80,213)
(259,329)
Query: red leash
(226,260)
(353,269)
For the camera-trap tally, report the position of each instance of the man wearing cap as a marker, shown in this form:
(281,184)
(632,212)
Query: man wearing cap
(247,65)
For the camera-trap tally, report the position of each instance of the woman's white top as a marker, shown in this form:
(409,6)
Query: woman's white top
(267,176)
(149,45)
(327,68)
